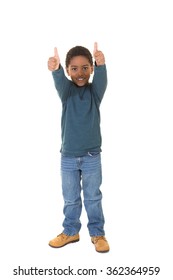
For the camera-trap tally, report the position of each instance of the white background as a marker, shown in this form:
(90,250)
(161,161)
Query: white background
(137,123)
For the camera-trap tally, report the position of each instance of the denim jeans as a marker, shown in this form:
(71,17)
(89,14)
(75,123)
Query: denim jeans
(82,174)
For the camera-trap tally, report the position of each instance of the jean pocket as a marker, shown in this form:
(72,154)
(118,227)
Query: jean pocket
(93,154)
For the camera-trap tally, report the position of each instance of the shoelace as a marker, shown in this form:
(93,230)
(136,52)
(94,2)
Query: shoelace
(63,236)
(97,238)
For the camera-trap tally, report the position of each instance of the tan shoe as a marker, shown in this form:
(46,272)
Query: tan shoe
(63,239)
(101,244)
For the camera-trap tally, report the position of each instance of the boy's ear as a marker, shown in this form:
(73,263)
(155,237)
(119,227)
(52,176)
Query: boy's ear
(92,69)
(67,71)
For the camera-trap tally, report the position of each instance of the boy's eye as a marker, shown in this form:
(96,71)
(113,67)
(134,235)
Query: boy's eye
(75,69)
(85,68)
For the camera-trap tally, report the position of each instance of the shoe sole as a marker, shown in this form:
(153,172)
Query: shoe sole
(73,241)
(102,251)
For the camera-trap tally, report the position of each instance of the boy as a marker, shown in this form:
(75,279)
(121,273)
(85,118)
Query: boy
(81,142)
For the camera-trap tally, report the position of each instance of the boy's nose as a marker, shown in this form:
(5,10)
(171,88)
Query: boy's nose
(80,72)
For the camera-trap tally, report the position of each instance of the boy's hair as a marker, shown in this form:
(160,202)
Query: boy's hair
(76,51)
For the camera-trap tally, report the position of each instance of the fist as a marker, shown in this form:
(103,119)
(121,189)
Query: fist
(54,61)
(98,55)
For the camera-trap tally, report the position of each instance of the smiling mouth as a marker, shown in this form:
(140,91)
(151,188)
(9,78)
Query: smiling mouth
(80,79)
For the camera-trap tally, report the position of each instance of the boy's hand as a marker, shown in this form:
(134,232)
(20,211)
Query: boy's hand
(53,62)
(98,55)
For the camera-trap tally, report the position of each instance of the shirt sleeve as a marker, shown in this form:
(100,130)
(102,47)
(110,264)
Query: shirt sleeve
(62,84)
(99,83)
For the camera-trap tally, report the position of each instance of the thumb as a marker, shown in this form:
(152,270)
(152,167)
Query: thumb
(56,53)
(95,47)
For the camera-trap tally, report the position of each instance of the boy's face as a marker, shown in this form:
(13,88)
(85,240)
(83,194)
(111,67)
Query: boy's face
(79,70)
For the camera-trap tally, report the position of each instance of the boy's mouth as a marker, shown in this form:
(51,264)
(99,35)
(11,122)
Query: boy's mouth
(81,79)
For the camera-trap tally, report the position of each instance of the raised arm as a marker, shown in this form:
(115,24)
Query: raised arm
(61,82)
(99,83)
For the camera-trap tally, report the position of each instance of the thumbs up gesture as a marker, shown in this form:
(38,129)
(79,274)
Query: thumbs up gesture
(54,61)
(98,55)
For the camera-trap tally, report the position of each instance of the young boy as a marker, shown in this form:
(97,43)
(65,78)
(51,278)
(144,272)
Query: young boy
(81,142)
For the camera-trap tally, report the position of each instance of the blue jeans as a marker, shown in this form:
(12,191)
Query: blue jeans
(82,173)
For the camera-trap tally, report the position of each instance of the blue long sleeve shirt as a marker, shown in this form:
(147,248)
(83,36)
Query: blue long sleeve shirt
(80,121)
